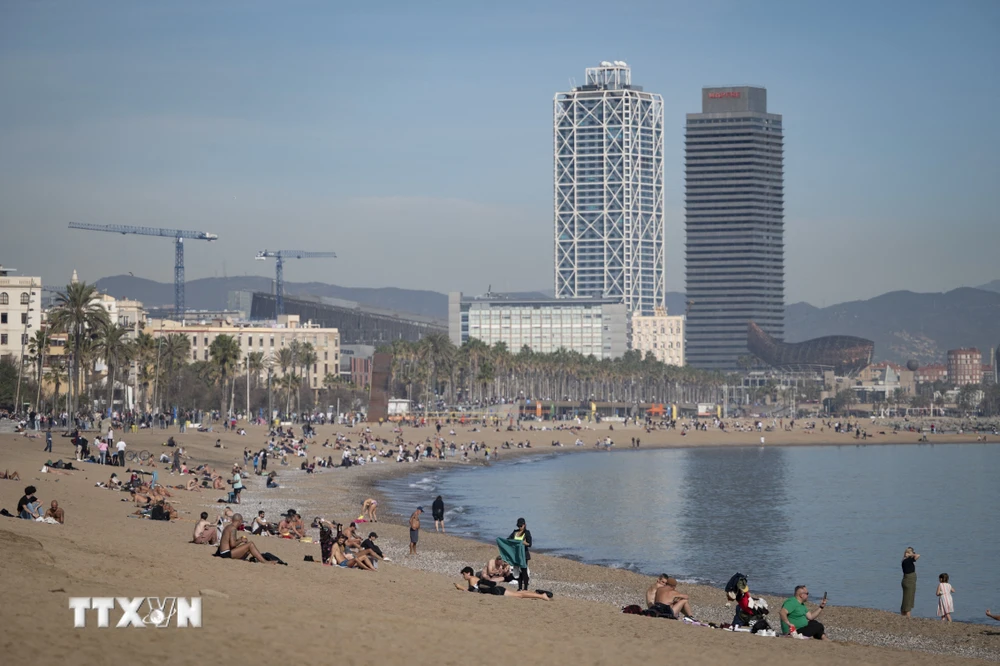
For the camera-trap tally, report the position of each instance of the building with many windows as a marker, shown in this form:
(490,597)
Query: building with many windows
(590,326)
(965,366)
(734,177)
(661,334)
(609,233)
(265,337)
(20,313)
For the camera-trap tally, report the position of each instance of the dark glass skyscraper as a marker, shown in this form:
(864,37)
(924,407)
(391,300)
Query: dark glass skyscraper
(735,225)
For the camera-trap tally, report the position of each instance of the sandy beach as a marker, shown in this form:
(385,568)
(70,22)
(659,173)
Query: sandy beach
(408,611)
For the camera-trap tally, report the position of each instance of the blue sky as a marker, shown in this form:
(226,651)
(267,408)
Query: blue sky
(415,139)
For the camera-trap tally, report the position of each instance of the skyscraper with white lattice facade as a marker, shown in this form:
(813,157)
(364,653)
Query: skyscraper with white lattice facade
(609,234)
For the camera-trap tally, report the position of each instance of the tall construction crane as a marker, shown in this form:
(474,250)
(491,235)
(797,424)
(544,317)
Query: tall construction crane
(177,234)
(280,256)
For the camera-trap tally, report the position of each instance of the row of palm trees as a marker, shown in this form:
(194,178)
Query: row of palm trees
(435,369)
(159,362)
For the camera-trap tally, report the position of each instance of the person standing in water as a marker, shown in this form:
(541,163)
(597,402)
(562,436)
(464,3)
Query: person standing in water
(437,510)
(909,583)
(523,534)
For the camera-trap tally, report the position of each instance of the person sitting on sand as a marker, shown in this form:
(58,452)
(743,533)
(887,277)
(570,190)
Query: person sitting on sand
(796,618)
(668,601)
(237,548)
(353,540)
(56,513)
(271,483)
(651,590)
(498,571)
(286,528)
(342,558)
(28,507)
(298,526)
(483,586)
(204,531)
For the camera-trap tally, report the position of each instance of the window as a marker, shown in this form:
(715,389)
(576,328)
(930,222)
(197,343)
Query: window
(3,338)
(206,354)
(4,299)
(24,338)
(250,341)
(194,355)
(3,317)
(25,299)
(24,317)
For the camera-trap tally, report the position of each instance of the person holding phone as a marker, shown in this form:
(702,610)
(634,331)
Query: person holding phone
(798,620)
(909,582)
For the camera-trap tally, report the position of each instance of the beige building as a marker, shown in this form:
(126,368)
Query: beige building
(661,334)
(268,339)
(20,313)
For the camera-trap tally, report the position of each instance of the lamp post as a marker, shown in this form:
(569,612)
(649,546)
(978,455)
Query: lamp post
(247,413)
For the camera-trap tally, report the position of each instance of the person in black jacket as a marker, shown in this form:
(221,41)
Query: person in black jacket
(522,533)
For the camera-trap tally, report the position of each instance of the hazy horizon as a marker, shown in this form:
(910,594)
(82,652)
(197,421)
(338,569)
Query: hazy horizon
(407,138)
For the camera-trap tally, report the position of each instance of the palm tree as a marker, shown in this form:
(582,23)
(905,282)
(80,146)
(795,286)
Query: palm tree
(112,345)
(174,354)
(56,375)
(255,361)
(76,311)
(225,354)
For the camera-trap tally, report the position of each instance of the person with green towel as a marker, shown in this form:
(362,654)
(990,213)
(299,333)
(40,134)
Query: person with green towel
(523,534)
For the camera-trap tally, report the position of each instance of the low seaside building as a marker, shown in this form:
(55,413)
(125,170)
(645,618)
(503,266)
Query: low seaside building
(589,326)
(935,372)
(265,337)
(660,334)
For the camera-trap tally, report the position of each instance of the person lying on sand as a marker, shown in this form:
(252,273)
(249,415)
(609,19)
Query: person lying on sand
(204,531)
(10,476)
(231,547)
(55,512)
(483,586)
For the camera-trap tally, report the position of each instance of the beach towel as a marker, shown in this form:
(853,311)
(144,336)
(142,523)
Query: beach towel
(512,552)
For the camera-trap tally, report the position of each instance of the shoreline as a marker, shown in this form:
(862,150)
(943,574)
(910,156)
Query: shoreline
(589,593)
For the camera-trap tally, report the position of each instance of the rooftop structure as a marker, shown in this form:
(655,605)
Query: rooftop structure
(843,354)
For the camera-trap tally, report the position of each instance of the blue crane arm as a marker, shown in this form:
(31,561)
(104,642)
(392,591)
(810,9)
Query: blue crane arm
(144,231)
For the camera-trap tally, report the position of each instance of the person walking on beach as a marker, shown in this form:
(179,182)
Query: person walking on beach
(909,583)
(415,529)
(522,533)
(945,604)
(437,511)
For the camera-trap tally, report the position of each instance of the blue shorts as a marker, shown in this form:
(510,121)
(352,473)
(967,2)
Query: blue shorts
(343,564)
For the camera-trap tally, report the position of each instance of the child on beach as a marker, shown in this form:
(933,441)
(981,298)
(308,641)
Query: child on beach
(945,604)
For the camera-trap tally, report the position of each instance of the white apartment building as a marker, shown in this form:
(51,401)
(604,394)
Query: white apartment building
(661,334)
(20,313)
(267,338)
(590,326)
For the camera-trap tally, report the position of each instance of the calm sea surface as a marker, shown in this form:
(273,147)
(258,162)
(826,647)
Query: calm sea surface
(834,518)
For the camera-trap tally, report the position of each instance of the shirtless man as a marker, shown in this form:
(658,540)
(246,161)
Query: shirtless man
(342,558)
(286,528)
(497,570)
(651,592)
(237,548)
(55,512)
(204,531)
(353,540)
(415,529)
(667,596)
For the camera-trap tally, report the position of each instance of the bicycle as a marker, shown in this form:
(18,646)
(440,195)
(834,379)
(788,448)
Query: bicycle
(141,456)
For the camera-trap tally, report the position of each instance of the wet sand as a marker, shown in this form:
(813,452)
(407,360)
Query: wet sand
(408,611)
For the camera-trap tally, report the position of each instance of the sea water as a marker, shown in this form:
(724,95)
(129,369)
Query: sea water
(835,518)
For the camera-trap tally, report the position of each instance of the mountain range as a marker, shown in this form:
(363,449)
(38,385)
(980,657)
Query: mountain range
(904,325)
